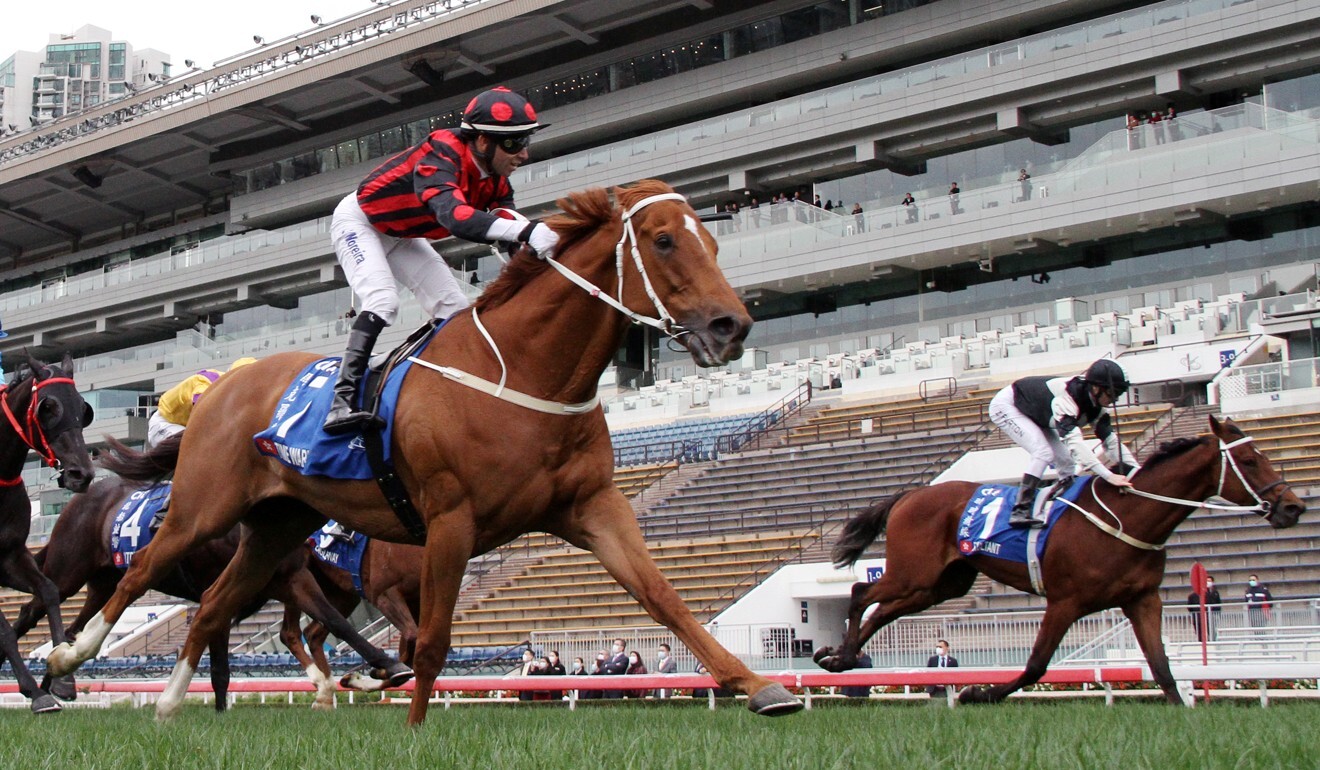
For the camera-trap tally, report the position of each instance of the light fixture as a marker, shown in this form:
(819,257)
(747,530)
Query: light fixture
(316,20)
(189,63)
(258,39)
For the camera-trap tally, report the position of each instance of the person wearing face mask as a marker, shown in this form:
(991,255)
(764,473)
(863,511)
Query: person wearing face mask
(616,664)
(526,668)
(597,668)
(635,666)
(554,667)
(1258,601)
(941,659)
(665,665)
(1212,602)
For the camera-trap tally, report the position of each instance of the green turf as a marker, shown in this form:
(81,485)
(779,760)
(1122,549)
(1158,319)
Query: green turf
(833,735)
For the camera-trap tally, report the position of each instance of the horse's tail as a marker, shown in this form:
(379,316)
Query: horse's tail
(864,528)
(149,466)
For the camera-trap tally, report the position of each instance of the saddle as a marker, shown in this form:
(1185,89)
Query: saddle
(373,385)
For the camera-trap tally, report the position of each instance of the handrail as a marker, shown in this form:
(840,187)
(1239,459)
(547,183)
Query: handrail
(950,392)
(896,423)
(760,425)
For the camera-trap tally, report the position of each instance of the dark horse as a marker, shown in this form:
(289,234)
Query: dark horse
(1085,568)
(45,413)
(483,462)
(79,554)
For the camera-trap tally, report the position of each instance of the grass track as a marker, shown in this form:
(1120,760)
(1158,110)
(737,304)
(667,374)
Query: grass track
(833,735)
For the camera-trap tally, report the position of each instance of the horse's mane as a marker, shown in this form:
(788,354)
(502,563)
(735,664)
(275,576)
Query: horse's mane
(584,213)
(1179,446)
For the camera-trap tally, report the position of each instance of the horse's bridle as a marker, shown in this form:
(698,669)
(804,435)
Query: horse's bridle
(663,320)
(34,435)
(1263,508)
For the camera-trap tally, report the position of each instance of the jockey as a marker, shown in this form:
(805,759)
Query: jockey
(447,185)
(176,404)
(1045,416)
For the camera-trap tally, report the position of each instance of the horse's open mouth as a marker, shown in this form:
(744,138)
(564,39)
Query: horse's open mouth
(708,352)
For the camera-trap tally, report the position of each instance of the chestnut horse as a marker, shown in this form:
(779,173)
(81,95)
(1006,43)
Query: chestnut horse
(44,412)
(79,554)
(1089,565)
(486,452)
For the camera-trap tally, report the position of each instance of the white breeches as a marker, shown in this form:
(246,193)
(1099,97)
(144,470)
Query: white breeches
(1043,447)
(159,429)
(375,264)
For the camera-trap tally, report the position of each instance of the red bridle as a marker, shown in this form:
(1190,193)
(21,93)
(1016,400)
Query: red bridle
(34,436)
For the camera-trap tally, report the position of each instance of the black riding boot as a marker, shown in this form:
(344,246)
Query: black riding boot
(342,417)
(1022,508)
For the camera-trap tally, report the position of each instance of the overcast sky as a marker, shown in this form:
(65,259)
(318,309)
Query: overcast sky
(201,31)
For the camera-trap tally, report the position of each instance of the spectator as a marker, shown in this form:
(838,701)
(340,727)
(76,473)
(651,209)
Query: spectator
(755,214)
(666,665)
(954,207)
(1156,120)
(616,664)
(858,218)
(829,205)
(1134,131)
(541,667)
(597,670)
(911,204)
(859,690)
(525,669)
(941,659)
(701,692)
(555,668)
(1212,607)
(816,202)
(1024,179)
(1258,601)
(1171,123)
(635,666)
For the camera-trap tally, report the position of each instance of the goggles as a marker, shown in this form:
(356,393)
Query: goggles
(513,144)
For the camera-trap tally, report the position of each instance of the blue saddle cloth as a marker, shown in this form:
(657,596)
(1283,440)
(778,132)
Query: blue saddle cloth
(295,438)
(984,529)
(131,530)
(344,554)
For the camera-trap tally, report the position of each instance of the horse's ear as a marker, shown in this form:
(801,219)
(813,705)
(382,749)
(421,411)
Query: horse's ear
(67,364)
(34,365)
(1216,427)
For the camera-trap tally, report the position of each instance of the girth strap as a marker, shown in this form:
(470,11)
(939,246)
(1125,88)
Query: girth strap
(391,485)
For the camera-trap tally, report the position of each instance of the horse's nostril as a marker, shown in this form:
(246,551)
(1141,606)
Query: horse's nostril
(726,328)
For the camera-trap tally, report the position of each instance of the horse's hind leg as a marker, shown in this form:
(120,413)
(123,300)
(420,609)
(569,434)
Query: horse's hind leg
(897,593)
(1146,613)
(21,572)
(219,649)
(100,587)
(1058,618)
(261,546)
(445,559)
(315,664)
(607,526)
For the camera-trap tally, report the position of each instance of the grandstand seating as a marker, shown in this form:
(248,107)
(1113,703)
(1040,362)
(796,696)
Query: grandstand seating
(684,441)
(568,588)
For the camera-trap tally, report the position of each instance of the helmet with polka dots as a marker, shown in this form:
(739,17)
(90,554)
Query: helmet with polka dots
(499,112)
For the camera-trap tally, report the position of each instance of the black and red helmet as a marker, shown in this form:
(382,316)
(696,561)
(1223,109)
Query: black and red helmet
(499,111)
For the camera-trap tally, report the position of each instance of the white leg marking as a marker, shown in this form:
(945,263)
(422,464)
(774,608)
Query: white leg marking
(66,658)
(175,691)
(362,683)
(325,688)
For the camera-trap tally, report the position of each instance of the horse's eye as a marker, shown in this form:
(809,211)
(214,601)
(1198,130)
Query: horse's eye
(664,241)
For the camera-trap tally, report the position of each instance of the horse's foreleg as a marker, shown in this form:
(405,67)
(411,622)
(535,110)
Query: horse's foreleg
(42,701)
(315,663)
(1146,613)
(307,594)
(23,574)
(149,567)
(608,528)
(443,563)
(261,547)
(1056,622)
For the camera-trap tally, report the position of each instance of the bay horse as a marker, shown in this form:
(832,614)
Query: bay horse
(391,582)
(44,413)
(1089,564)
(486,452)
(79,554)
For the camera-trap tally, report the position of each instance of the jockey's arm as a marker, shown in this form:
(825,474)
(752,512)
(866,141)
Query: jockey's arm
(1071,436)
(1114,451)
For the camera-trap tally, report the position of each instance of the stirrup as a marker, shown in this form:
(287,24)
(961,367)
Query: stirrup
(1023,519)
(353,422)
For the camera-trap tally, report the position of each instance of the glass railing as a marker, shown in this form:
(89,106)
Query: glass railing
(1239,133)
(821,103)
(1274,377)
(147,267)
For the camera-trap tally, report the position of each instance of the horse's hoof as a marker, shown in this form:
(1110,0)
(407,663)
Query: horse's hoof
(45,703)
(774,700)
(974,695)
(356,680)
(62,660)
(395,675)
(323,705)
(63,688)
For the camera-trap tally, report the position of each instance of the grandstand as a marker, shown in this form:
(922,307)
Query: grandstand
(1185,250)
